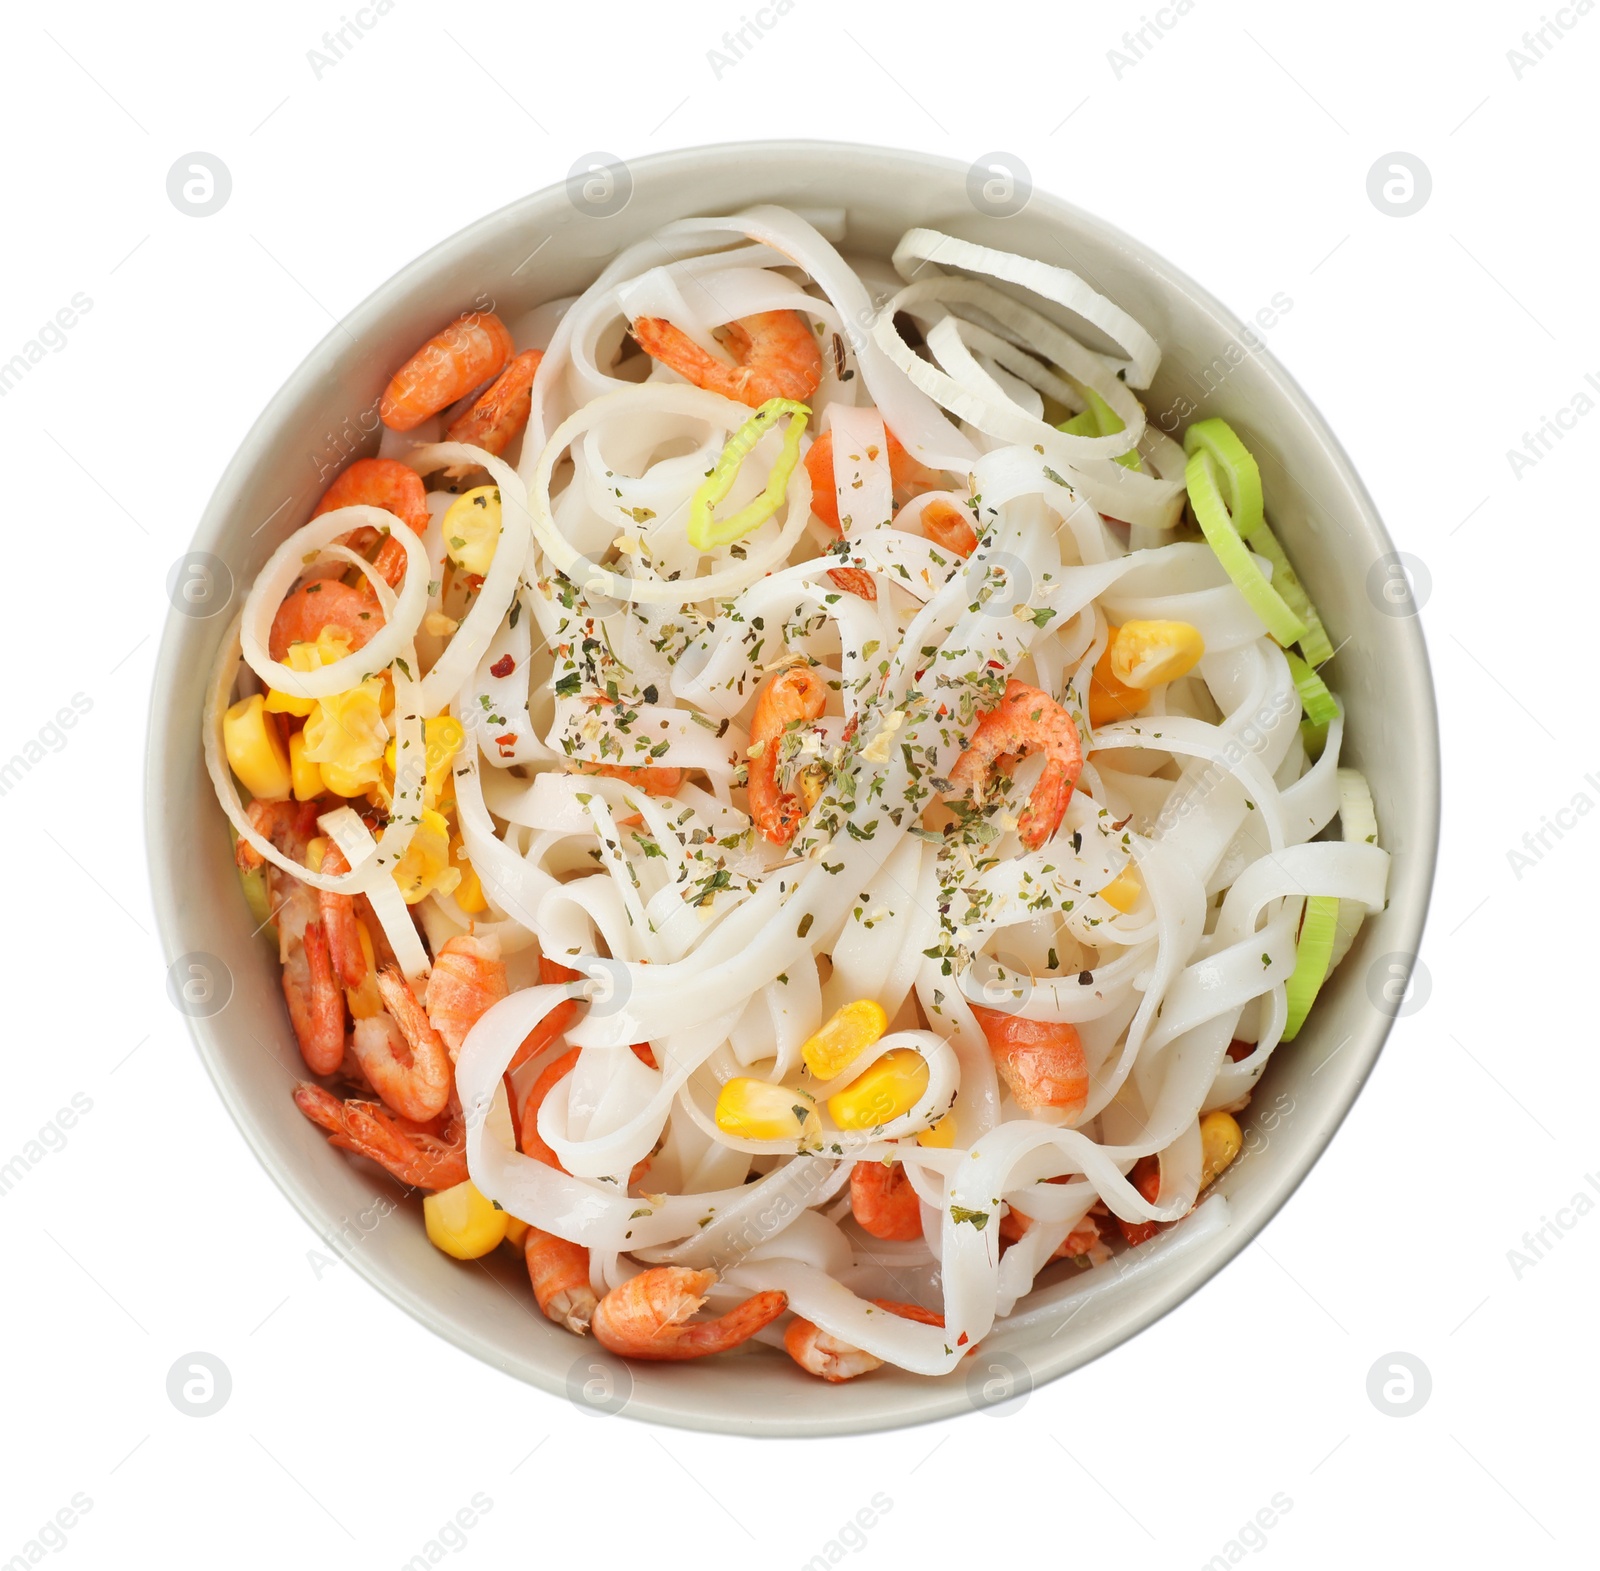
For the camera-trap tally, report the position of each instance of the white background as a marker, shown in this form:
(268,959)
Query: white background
(1239,146)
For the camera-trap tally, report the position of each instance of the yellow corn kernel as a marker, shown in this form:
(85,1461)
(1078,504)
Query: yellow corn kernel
(365,1001)
(1109,699)
(255,750)
(847,1032)
(516,1232)
(758,1110)
(305,776)
(811,780)
(348,782)
(425,866)
(469,892)
(1220,1142)
(463,1221)
(1122,893)
(332,644)
(941,1135)
(441,741)
(1146,654)
(347,728)
(316,849)
(472,528)
(892,1086)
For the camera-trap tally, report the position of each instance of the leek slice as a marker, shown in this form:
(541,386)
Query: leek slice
(1315,644)
(1100,419)
(706,532)
(1320,705)
(1312,959)
(1200,476)
(1241,476)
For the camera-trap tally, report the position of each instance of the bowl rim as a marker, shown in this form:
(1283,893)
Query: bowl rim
(165,727)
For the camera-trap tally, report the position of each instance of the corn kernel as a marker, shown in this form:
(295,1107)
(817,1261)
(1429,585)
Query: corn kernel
(255,750)
(347,728)
(316,849)
(758,1110)
(892,1086)
(1220,1142)
(441,741)
(365,1001)
(1146,654)
(811,781)
(469,892)
(472,528)
(941,1135)
(348,782)
(516,1232)
(1109,699)
(464,1222)
(425,866)
(332,644)
(845,1034)
(1122,893)
(305,776)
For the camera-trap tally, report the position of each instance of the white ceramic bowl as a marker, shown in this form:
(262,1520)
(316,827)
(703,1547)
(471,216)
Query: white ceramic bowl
(552,244)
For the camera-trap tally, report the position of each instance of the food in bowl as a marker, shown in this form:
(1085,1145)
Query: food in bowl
(783,797)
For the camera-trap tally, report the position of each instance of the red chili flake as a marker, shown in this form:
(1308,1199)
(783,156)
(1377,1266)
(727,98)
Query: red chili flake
(916,676)
(961,1341)
(507,744)
(995,665)
(504,666)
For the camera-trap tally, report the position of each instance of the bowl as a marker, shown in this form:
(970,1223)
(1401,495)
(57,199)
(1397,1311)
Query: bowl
(553,243)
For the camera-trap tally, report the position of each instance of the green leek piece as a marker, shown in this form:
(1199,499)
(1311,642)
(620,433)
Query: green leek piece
(1241,476)
(1315,738)
(1315,646)
(1100,419)
(1311,956)
(254,883)
(1320,705)
(1200,475)
(706,532)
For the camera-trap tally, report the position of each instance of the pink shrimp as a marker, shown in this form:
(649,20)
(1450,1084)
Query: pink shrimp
(1027,720)
(907,476)
(400,1053)
(310,988)
(775,355)
(467,353)
(468,979)
(947,526)
(1041,1061)
(416,1154)
(319,604)
(819,1353)
(532,1142)
(379,482)
(883,1202)
(790,697)
(1080,1241)
(648,1316)
(536,1041)
(496,418)
(559,1273)
(340,924)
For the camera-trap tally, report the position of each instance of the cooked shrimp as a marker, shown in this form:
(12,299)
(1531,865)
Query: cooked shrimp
(790,698)
(466,354)
(467,980)
(775,355)
(835,1361)
(884,1203)
(1041,1061)
(323,603)
(907,476)
(656,779)
(1145,1176)
(379,482)
(648,1316)
(550,1076)
(559,1272)
(310,988)
(496,418)
(947,526)
(416,1155)
(339,923)
(1027,720)
(536,1041)
(1079,1241)
(401,1054)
